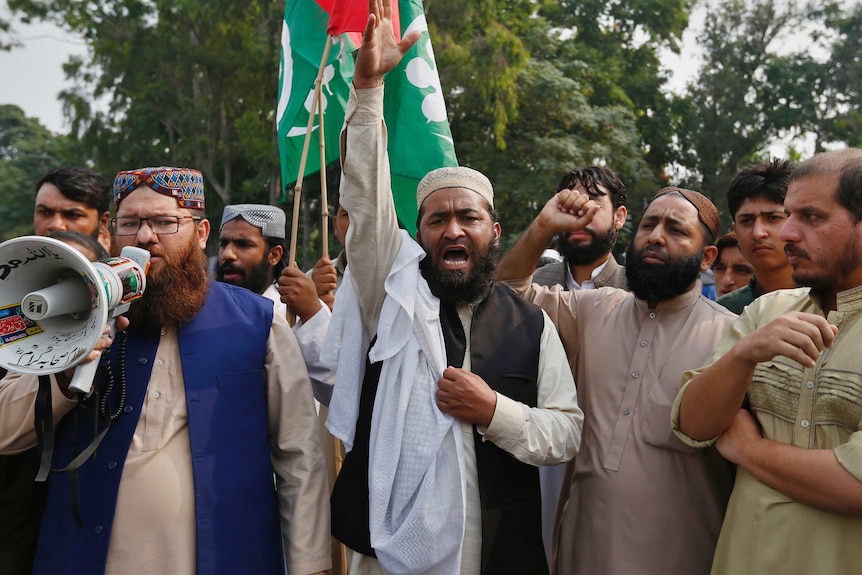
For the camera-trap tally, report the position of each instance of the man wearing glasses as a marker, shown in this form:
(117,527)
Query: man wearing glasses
(208,395)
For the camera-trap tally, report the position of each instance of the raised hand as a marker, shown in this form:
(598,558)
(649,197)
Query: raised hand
(567,211)
(380,52)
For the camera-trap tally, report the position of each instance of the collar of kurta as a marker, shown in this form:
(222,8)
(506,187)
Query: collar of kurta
(681,301)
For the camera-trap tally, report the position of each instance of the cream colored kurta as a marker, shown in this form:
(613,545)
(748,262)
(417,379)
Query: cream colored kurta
(765,531)
(640,501)
(545,435)
(154,524)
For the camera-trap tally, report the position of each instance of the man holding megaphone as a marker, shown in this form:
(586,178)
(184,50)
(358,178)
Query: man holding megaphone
(208,396)
(21,498)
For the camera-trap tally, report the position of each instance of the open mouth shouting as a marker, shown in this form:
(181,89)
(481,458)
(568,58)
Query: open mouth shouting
(230,274)
(454,257)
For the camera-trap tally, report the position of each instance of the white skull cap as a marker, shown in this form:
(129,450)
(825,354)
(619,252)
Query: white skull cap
(457,177)
(269,219)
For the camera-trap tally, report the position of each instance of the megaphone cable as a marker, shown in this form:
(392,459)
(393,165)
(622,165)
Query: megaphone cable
(109,387)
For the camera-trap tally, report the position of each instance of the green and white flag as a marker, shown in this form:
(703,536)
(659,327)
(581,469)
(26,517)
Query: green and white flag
(415,113)
(303,39)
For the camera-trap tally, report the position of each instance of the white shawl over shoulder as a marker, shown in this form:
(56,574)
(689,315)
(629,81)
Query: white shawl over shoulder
(417,483)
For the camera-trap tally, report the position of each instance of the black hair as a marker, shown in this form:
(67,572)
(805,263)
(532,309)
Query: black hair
(84,240)
(80,185)
(591,177)
(728,240)
(766,180)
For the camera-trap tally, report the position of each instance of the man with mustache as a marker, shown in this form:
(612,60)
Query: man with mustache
(73,199)
(732,270)
(207,398)
(792,358)
(252,255)
(756,202)
(68,199)
(251,251)
(587,259)
(639,500)
(588,263)
(449,388)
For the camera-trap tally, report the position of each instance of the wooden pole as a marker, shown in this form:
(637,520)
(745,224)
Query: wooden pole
(324,199)
(316,108)
(297,189)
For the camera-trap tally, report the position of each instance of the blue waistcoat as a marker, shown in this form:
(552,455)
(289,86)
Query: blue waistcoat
(236,509)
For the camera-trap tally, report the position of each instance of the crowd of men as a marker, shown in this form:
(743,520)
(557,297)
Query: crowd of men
(497,417)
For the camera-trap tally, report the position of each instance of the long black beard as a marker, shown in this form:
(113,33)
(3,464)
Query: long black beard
(653,282)
(257,280)
(456,286)
(580,254)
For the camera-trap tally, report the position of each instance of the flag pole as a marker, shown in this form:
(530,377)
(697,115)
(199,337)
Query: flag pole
(324,234)
(324,199)
(297,189)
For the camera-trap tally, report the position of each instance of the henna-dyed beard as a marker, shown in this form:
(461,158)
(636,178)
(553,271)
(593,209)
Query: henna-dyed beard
(175,291)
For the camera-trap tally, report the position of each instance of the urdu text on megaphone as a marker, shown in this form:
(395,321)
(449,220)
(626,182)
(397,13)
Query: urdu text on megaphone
(55,304)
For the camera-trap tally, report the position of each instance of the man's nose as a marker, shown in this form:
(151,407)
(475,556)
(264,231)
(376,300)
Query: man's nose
(57,223)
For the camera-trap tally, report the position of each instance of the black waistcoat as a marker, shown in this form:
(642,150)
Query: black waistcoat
(504,342)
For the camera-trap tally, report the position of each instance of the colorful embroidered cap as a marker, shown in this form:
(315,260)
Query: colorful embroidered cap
(269,219)
(706,210)
(184,184)
(458,177)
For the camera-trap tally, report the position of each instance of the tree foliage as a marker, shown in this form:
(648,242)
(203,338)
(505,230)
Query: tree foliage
(533,88)
(756,88)
(726,119)
(27,150)
(181,82)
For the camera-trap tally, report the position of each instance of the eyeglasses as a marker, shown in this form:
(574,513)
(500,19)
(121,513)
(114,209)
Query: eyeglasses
(161,225)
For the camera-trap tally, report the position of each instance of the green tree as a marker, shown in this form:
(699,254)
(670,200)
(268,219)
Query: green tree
(825,97)
(27,150)
(184,82)
(527,101)
(727,120)
(612,47)
(752,91)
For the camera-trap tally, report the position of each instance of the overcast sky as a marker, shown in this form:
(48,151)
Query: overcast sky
(32,74)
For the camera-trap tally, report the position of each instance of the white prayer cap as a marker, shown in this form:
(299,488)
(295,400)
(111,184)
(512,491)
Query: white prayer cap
(458,177)
(269,219)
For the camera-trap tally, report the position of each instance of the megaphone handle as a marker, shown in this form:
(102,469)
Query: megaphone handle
(82,381)
(85,373)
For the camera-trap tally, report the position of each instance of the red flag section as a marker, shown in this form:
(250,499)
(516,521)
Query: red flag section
(352,15)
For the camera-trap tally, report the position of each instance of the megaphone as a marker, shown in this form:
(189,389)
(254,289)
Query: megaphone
(55,304)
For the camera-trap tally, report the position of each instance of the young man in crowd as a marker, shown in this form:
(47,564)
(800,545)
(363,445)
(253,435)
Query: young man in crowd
(756,202)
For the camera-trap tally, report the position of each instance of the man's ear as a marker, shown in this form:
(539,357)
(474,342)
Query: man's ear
(203,232)
(709,255)
(620,217)
(104,234)
(275,254)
